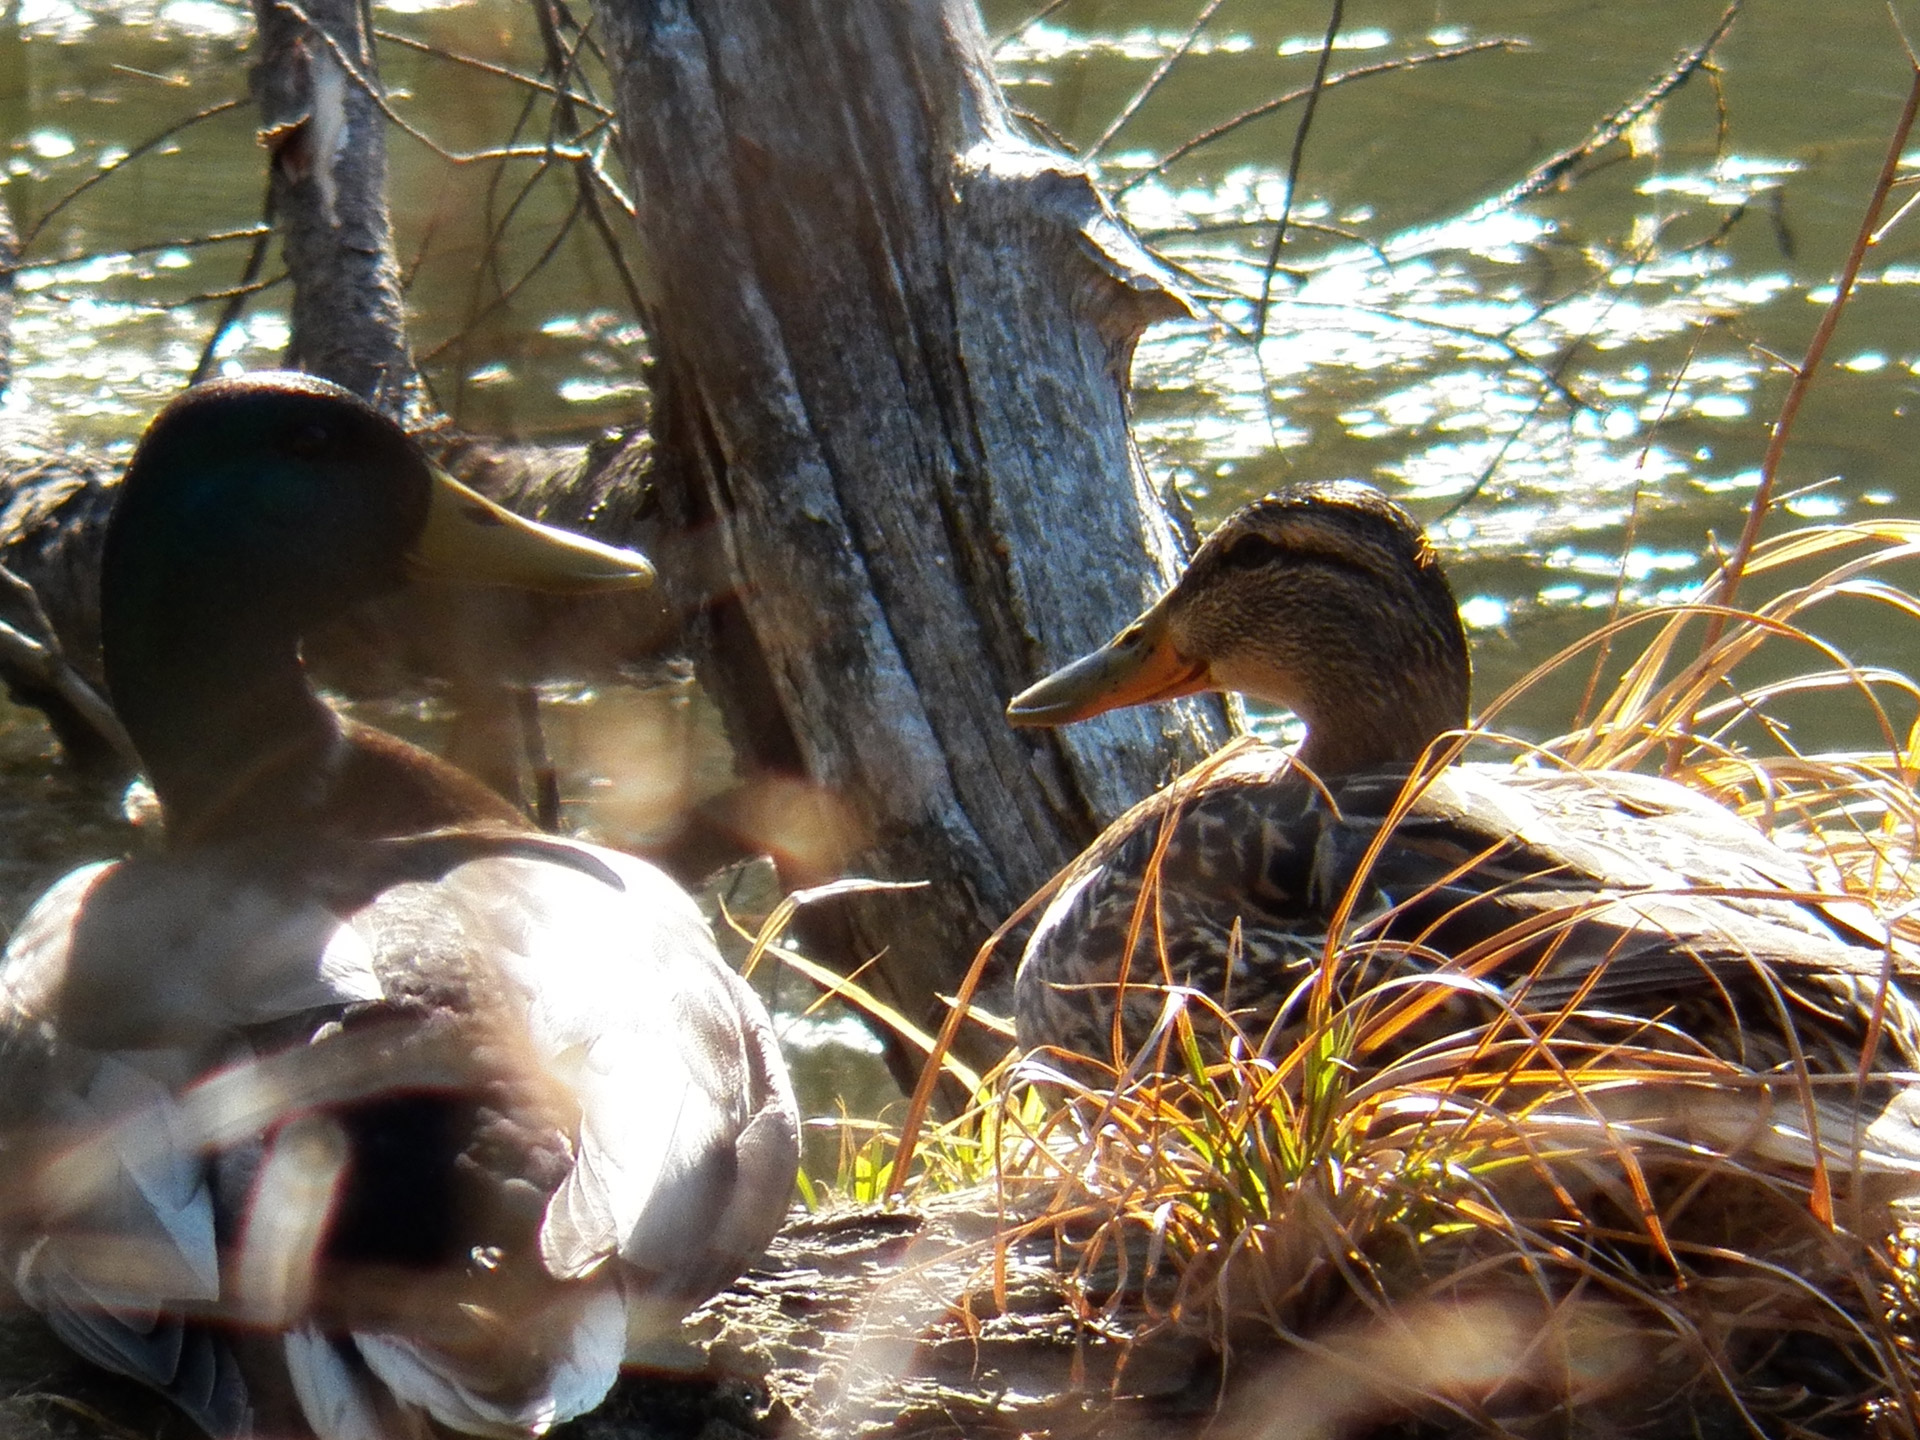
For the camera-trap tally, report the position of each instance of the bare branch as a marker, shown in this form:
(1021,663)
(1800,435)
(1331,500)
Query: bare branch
(1154,81)
(1345,77)
(1549,171)
(113,167)
(237,303)
(1335,14)
(152,247)
(487,67)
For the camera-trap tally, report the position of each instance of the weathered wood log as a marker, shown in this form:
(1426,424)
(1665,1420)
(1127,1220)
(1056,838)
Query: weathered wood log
(865,1323)
(935,1321)
(890,420)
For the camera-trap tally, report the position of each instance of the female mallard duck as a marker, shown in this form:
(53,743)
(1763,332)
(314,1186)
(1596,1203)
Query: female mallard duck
(359,1108)
(1633,895)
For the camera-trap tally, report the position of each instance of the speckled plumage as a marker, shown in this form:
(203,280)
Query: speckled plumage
(1662,914)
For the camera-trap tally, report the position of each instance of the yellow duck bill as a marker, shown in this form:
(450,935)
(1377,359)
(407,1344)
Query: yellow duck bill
(470,539)
(1139,664)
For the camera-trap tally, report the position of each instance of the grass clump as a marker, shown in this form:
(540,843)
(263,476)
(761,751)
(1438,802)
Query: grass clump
(1449,1193)
(1551,1209)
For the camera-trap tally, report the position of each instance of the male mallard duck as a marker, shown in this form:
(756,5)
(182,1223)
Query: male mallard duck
(1328,599)
(358,1109)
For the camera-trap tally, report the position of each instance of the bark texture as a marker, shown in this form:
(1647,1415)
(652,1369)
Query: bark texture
(9,262)
(319,95)
(890,424)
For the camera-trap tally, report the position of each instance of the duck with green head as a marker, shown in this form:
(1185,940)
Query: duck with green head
(1645,899)
(359,1108)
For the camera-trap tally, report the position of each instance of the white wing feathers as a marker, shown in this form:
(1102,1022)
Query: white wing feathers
(160,954)
(579,1378)
(688,1129)
(129,988)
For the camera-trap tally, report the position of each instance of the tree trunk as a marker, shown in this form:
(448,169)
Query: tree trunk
(318,89)
(890,423)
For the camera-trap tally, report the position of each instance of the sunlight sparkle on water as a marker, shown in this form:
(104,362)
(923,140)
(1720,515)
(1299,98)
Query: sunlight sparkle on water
(101,367)
(68,21)
(1483,612)
(582,391)
(52,20)
(829,1030)
(1245,193)
(1639,563)
(205,18)
(1043,44)
(1733,180)
(1617,579)
(50,144)
(1426,353)
(1345,40)
(1569,473)
(1823,506)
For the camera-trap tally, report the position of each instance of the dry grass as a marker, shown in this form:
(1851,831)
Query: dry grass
(1555,1215)
(1557,1220)
(1562,1219)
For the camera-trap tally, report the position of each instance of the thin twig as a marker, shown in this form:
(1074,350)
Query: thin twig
(1335,15)
(505,295)
(1154,81)
(1604,649)
(563,60)
(151,247)
(165,307)
(1549,171)
(1050,8)
(486,67)
(237,304)
(1729,583)
(115,166)
(1345,77)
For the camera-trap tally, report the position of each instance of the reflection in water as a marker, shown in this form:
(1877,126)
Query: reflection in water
(52,822)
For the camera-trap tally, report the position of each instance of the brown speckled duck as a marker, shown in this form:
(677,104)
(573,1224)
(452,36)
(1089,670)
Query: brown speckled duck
(1641,899)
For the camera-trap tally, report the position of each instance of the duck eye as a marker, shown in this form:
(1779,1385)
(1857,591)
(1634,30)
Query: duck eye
(1250,551)
(309,441)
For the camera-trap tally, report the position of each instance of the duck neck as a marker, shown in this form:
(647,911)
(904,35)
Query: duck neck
(1374,724)
(1340,747)
(226,724)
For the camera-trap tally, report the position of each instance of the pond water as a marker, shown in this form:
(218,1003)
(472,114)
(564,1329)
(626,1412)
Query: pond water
(1574,388)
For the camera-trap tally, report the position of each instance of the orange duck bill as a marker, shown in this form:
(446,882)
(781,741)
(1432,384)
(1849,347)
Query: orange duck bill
(1139,664)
